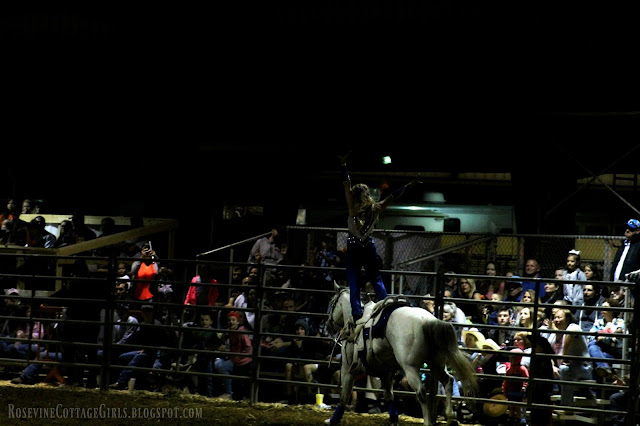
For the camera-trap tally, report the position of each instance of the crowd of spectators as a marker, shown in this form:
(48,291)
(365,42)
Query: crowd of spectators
(219,316)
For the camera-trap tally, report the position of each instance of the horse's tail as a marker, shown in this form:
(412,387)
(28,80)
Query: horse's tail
(444,336)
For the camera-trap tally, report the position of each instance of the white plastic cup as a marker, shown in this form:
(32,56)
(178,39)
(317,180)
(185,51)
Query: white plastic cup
(132,384)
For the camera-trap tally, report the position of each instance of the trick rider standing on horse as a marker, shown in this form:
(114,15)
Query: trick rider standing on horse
(361,249)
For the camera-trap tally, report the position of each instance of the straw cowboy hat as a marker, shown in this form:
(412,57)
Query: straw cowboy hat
(489,344)
(476,333)
(495,410)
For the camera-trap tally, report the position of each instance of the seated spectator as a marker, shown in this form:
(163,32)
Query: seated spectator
(30,375)
(498,334)
(124,325)
(514,291)
(429,304)
(66,234)
(303,349)
(35,351)
(83,232)
(604,346)
(39,236)
(591,297)
(26,329)
(528,296)
(13,309)
(280,324)
(452,285)
(238,365)
(450,312)
(467,289)
(27,206)
(205,339)
(490,310)
(532,270)
(525,318)
(489,287)
(553,292)
(143,336)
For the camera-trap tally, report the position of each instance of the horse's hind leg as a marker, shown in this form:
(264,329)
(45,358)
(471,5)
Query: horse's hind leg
(414,378)
(387,386)
(442,376)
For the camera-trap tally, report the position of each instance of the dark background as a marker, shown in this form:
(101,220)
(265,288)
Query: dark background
(173,110)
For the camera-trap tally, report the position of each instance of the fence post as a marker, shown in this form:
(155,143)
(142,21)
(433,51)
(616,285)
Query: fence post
(107,323)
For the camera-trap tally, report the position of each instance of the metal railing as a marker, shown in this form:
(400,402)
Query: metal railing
(97,291)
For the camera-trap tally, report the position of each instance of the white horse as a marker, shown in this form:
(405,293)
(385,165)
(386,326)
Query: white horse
(413,336)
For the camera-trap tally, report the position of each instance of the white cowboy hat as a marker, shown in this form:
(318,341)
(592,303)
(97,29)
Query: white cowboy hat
(474,332)
(489,344)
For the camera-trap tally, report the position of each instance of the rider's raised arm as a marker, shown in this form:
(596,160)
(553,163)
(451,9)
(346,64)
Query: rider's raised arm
(346,181)
(396,194)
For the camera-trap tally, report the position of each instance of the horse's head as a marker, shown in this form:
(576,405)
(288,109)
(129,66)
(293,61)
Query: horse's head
(336,313)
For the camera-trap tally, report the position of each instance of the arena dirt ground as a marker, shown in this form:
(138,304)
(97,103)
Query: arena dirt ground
(47,404)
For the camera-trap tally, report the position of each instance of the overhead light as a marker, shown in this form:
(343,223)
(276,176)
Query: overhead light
(386,159)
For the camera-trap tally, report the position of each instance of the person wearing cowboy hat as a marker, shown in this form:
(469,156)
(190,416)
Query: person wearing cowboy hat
(472,338)
(487,362)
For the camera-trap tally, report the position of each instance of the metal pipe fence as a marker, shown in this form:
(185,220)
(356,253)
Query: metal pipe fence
(95,290)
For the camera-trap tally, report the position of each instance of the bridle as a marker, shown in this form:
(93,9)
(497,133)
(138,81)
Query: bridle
(332,306)
(331,324)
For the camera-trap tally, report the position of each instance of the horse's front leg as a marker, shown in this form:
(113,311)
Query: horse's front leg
(387,386)
(346,382)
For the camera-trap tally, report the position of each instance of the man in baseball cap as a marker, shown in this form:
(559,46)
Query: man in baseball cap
(627,258)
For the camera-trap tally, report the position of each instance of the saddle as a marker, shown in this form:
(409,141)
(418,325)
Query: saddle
(375,321)
(374,314)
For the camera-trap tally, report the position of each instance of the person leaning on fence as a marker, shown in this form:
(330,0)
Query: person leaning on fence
(515,390)
(572,345)
(540,392)
(361,248)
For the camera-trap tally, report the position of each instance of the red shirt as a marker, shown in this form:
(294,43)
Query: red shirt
(148,272)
